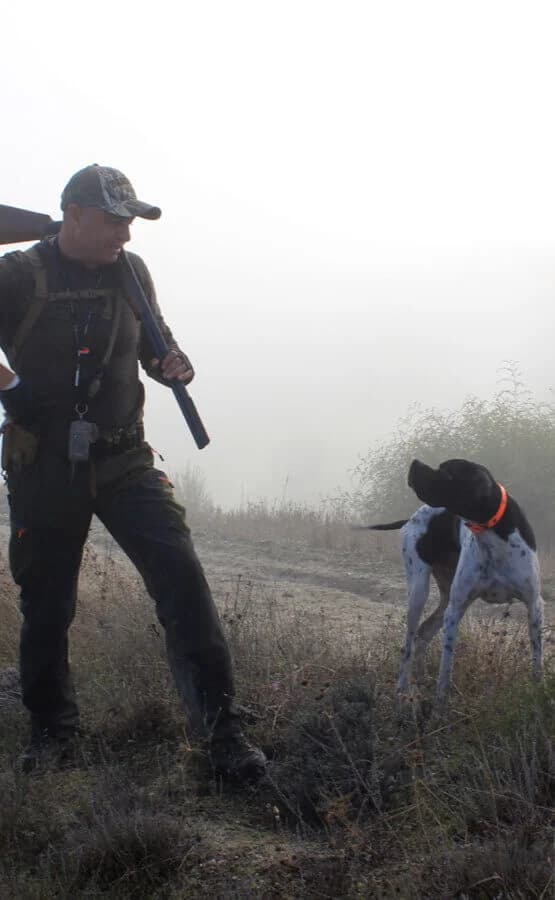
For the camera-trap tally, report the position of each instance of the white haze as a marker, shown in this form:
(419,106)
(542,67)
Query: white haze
(358,206)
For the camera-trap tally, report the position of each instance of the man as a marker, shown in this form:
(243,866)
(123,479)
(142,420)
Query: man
(75,342)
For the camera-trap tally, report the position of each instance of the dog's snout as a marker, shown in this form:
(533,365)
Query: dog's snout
(413,471)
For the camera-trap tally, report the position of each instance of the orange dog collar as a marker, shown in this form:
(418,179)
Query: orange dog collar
(475,528)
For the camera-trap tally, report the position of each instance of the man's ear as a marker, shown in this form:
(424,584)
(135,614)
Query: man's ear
(72,215)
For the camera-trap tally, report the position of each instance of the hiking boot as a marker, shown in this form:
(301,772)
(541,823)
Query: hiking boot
(47,749)
(233,757)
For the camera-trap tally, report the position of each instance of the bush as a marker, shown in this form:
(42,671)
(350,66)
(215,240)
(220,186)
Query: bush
(135,851)
(192,492)
(512,434)
(328,769)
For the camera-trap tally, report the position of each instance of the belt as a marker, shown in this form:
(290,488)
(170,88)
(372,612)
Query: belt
(54,434)
(118,441)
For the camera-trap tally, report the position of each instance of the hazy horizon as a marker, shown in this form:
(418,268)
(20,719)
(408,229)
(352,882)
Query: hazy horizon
(358,207)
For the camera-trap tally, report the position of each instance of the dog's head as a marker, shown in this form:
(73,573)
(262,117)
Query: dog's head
(465,488)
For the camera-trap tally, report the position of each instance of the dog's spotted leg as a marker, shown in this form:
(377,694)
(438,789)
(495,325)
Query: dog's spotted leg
(461,596)
(418,579)
(427,631)
(534,602)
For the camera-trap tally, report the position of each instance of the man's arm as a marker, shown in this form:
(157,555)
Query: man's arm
(173,364)
(13,281)
(176,364)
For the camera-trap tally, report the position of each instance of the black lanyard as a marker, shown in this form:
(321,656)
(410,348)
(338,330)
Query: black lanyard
(80,332)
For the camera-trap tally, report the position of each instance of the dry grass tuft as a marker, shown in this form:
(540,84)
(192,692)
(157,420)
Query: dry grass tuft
(131,853)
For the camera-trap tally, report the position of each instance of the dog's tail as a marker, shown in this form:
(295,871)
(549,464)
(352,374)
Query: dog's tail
(388,526)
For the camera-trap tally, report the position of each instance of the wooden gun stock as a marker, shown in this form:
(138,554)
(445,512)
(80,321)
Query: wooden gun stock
(18,225)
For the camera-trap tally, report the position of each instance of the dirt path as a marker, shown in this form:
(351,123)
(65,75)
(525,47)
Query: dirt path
(346,590)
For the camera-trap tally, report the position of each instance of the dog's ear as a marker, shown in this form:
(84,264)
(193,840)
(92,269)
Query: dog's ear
(473,489)
(456,468)
(465,470)
(413,469)
(430,485)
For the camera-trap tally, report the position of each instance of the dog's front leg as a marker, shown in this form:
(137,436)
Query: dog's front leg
(418,580)
(460,598)
(426,632)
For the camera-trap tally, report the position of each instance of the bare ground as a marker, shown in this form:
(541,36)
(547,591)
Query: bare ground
(359,587)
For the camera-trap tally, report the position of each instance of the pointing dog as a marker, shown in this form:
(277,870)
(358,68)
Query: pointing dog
(475,540)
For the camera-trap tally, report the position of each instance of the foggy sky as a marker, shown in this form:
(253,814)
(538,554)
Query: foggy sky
(358,206)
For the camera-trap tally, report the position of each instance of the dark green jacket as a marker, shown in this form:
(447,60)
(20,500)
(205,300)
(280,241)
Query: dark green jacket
(47,360)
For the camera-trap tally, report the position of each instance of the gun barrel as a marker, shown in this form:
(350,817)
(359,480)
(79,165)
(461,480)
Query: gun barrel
(160,348)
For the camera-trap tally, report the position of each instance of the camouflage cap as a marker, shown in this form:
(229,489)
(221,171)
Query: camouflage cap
(106,189)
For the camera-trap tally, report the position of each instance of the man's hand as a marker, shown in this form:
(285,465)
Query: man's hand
(175,366)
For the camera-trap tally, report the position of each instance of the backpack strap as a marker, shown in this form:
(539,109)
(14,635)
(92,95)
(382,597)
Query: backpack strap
(95,384)
(40,297)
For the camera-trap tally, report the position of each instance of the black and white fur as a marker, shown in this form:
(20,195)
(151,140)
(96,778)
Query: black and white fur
(497,565)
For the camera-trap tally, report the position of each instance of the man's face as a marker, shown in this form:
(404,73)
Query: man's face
(99,235)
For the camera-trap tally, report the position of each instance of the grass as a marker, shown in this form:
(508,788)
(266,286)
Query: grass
(363,799)
(280,521)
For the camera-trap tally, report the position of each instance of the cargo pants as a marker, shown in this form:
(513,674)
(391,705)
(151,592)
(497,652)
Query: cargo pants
(51,512)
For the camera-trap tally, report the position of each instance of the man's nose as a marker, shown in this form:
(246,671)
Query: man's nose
(124,232)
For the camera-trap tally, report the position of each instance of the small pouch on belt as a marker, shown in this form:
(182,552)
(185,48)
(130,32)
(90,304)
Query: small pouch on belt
(19,447)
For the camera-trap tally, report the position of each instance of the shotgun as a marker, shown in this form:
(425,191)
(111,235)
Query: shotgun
(18,225)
